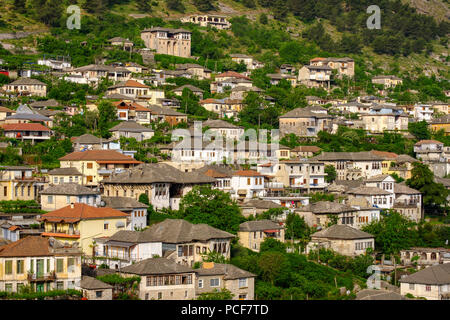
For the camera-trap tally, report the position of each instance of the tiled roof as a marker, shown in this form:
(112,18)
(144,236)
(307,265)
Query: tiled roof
(130,126)
(433,275)
(69,189)
(306,149)
(65,172)
(156,266)
(130,83)
(87,139)
(188,86)
(305,113)
(402,188)
(81,211)
(385,154)
(98,155)
(219,124)
(232,74)
(247,173)
(352,156)
(46,103)
(259,225)
(27,81)
(368,191)
(421,142)
(123,203)
(377,178)
(341,231)
(24,127)
(260,204)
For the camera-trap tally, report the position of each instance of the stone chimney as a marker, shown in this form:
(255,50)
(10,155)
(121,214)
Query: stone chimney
(72,205)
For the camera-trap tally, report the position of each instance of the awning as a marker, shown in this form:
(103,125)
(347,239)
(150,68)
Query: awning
(271,230)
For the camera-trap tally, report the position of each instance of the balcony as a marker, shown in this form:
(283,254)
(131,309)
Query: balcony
(62,234)
(37,277)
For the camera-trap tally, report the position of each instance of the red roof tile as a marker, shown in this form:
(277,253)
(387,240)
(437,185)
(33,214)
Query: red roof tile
(24,127)
(99,155)
(232,74)
(248,173)
(81,211)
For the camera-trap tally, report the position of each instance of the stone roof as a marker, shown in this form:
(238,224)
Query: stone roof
(72,171)
(421,142)
(306,149)
(377,178)
(444,181)
(74,189)
(363,190)
(156,266)
(27,81)
(158,172)
(304,113)
(188,86)
(441,120)
(130,126)
(216,124)
(98,155)
(87,139)
(46,103)
(406,158)
(402,188)
(326,207)
(260,204)
(350,156)
(433,275)
(341,231)
(25,112)
(259,225)
(123,203)
(90,283)
(229,271)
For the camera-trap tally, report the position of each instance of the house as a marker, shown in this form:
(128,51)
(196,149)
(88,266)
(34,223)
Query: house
(33,132)
(18,183)
(175,239)
(402,166)
(387,81)
(342,239)
(353,107)
(252,233)
(175,42)
(131,129)
(93,74)
(249,62)
(55,64)
(441,123)
(90,142)
(287,68)
(228,84)
(96,165)
(315,76)
(61,195)
(26,87)
(257,206)
(429,150)
(79,222)
(247,184)
(214,276)
(375,196)
(197,71)
(121,42)
(215,21)
(197,91)
(223,107)
(319,214)
(425,256)
(136,210)
(94,289)
(163,184)
(5,112)
(44,104)
(135,67)
(45,264)
(351,165)
(226,129)
(343,66)
(65,175)
(423,112)
(440,107)
(132,89)
(304,151)
(305,122)
(385,118)
(25,114)
(275,78)
(408,202)
(163,114)
(162,279)
(432,283)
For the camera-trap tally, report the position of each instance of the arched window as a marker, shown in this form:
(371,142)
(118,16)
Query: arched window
(433,256)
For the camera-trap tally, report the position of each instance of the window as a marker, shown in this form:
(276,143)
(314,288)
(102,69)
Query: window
(8,287)
(159,295)
(146,296)
(243,283)
(200,283)
(242,297)
(50,199)
(411,286)
(20,287)
(8,267)
(59,265)
(428,288)
(68,199)
(105,226)
(71,264)
(98,294)
(19,267)
(89,165)
(214,282)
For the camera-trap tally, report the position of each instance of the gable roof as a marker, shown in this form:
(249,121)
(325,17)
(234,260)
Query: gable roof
(24,127)
(232,74)
(434,275)
(229,271)
(305,113)
(72,171)
(130,126)
(326,207)
(46,103)
(156,266)
(36,246)
(27,81)
(81,211)
(87,138)
(352,156)
(363,190)
(190,87)
(123,203)
(260,204)
(421,142)
(341,231)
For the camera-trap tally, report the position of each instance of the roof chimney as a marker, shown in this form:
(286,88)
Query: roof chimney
(72,205)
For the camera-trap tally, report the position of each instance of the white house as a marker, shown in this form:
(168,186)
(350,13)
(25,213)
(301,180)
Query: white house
(247,184)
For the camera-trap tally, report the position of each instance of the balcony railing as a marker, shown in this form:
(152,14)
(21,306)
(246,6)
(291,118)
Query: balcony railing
(32,277)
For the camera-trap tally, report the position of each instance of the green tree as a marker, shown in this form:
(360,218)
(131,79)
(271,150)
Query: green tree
(270,244)
(270,264)
(211,206)
(419,130)
(296,227)
(263,18)
(107,118)
(331,173)
(143,198)
(175,5)
(393,232)
(434,194)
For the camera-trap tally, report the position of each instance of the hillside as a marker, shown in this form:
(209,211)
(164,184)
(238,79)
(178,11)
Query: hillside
(427,56)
